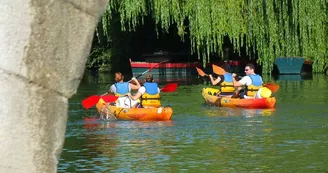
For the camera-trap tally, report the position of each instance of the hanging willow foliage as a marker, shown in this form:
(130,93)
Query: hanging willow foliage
(270,28)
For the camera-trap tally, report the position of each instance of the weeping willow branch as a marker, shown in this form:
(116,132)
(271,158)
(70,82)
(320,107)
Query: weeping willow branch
(268,28)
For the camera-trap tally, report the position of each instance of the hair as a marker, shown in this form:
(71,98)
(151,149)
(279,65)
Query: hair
(226,67)
(149,78)
(250,65)
(120,76)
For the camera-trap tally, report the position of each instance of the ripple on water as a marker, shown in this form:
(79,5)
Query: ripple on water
(290,138)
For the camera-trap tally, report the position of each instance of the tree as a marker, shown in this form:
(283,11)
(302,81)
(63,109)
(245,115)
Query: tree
(269,28)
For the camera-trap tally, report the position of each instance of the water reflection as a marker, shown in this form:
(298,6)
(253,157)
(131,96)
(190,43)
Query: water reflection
(106,77)
(200,138)
(226,111)
(295,77)
(123,146)
(95,123)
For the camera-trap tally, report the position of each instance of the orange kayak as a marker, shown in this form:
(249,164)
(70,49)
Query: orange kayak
(141,114)
(209,95)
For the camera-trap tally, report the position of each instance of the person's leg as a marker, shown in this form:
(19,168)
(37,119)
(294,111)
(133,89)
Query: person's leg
(120,102)
(138,105)
(242,94)
(134,103)
(237,92)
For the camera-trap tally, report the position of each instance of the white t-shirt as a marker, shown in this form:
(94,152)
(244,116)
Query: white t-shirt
(113,88)
(246,80)
(142,90)
(125,102)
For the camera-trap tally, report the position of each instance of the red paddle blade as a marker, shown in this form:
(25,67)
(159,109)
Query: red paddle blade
(90,101)
(200,72)
(170,87)
(109,98)
(273,87)
(218,70)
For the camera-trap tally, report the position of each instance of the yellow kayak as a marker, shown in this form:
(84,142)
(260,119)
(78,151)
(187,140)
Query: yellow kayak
(141,114)
(209,95)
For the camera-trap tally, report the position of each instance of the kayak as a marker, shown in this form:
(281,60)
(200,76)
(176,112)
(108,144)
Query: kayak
(141,114)
(209,94)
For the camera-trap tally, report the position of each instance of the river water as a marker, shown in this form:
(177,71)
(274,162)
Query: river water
(293,137)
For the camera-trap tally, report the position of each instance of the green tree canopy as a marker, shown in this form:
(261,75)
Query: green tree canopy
(269,28)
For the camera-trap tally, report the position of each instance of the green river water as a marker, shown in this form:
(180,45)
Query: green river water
(291,138)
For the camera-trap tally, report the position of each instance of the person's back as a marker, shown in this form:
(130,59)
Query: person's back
(226,86)
(252,81)
(122,89)
(119,88)
(151,96)
(225,82)
(149,93)
(255,85)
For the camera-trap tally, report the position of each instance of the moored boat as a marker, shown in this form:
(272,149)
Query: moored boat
(141,114)
(211,98)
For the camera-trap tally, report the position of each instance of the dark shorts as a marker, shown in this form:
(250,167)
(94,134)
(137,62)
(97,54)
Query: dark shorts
(139,105)
(242,94)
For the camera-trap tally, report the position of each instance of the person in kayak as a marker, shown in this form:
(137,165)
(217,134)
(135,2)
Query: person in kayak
(121,89)
(225,81)
(149,93)
(252,81)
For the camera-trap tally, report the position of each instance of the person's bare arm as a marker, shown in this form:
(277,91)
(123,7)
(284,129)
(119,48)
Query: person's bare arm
(235,82)
(135,86)
(136,96)
(110,90)
(216,81)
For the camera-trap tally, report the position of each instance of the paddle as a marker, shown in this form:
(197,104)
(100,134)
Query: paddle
(201,72)
(273,87)
(150,69)
(170,87)
(218,70)
(93,100)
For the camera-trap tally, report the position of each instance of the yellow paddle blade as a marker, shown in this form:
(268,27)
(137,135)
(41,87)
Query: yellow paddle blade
(201,72)
(218,70)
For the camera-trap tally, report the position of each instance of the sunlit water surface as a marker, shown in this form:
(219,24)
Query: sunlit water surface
(293,137)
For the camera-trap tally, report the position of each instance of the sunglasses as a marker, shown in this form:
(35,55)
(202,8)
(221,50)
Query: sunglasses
(247,69)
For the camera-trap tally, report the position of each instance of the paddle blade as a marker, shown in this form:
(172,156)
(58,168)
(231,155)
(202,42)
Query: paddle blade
(172,87)
(151,68)
(273,87)
(157,64)
(218,70)
(201,72)
(109,98)
(90,101)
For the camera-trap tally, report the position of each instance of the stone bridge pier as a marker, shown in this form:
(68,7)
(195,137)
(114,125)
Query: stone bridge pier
(44,46)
